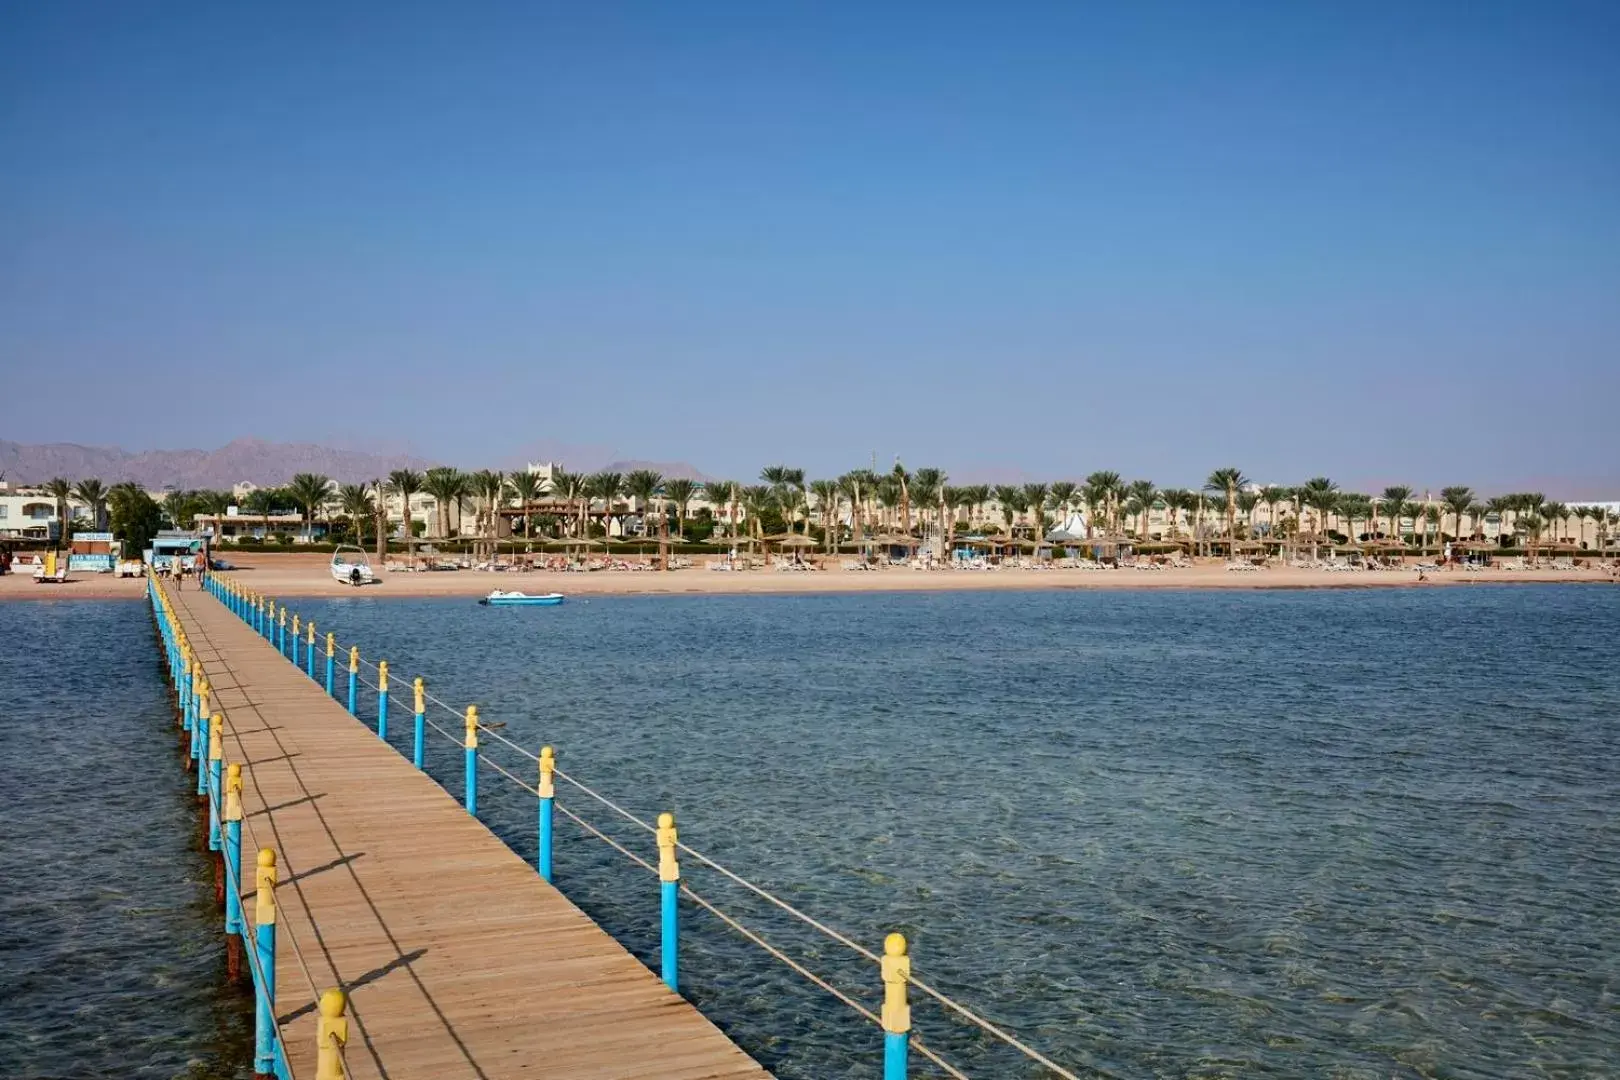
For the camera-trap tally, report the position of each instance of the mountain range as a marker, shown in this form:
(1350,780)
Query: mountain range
(268,463)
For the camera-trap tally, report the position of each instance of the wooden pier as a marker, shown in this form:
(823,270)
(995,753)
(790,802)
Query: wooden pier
(458,959)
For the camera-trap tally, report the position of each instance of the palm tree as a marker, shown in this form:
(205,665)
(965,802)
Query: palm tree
(527,486)
(489,488)
(1556,514)
(826,493)
(1322,495)
(1433,518)
(1395,500)
(902,480)
(776,479)
(607,486)
(680,491)
(1583,514)
(1228,481)
(354,502)
(928,489)
(1142,492)
(755,498)
(1457,499)
(1271,495)
(1530,524)
(1175,500)
(447,485)
(799,495)
(722,495)
(1098,489)
(642,485)
(1006,497)
(1033,497)
(570,488)
(60,490)
(93,493)
(859,486)
(309,492)
(405,483)
(1353,508)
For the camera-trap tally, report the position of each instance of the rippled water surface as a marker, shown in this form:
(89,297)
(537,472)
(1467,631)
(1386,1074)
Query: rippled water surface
(1291,834)
(1327,834)
(111,961)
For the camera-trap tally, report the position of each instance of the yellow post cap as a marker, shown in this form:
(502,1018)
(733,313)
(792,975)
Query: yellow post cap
(331,1036)
(417,686)
(354,658)
(548,765)
(668,868)
(896,966)
(382,675)
(264,881)
(333,1002)
(331,644)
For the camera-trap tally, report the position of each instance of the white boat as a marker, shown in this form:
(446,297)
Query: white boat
(503,598)
(350,567)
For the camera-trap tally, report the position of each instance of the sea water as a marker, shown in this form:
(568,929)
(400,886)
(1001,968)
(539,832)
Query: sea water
(1362,833)
(111,955)
(1369,833)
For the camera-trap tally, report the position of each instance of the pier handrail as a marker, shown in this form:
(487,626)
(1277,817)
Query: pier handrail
(943,999)
(474,724)
(232,873)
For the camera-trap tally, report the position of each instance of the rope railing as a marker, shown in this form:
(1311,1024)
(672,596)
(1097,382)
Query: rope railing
(894,973)
(221,787)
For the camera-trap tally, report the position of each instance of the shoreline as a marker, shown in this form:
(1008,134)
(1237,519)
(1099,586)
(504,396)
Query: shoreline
(307,576)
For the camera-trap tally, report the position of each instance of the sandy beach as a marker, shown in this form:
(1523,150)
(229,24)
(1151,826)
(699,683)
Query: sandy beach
(307,575)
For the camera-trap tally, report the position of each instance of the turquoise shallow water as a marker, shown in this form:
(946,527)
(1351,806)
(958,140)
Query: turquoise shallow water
(1337,834)
(111,961)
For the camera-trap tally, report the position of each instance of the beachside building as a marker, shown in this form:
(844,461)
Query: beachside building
(235,525)
(28,513)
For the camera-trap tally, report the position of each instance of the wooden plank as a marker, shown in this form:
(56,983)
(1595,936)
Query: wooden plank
(458,959)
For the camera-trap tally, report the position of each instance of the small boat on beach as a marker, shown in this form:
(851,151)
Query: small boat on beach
(350,566)
(503,598)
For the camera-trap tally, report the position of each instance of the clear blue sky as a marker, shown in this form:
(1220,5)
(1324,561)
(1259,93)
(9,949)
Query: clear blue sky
(1379,241)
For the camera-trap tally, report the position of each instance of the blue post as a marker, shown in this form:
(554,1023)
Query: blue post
(233,850)
(182,686)
(895,1047)
(216,778)
(354,677)
(896,1016)
(199,739)
(669,887)
(418,738)
(264,1027)
(281,633)
(309,653)
(382,700)
(470,748)
(548,794)
(331,650)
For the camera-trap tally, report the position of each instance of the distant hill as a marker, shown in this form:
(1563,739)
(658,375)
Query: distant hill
(263,463)
(672,470)
(253,460)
